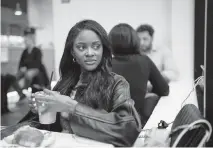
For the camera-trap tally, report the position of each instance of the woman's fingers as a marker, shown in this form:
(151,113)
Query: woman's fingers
(42,97)
(39,102)
(49,92)
(33,106)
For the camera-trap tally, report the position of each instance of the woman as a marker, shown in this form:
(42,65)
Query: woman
(92,101)
(136,69)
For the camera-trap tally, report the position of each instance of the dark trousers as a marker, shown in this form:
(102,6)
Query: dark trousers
(7,81)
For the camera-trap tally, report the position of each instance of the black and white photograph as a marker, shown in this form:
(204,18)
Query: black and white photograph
(106,73)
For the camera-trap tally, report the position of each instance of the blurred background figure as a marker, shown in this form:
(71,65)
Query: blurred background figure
(137,69)
(8,81)
(27,56)
(31,71)
(161,57)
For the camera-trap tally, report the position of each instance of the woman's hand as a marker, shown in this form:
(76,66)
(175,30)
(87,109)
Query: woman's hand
(32,104)
(55,102)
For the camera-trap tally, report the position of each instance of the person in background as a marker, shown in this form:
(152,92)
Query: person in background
(92,101)
(28,71)
(31,71)
(161,57)
(137,69)
(9,81)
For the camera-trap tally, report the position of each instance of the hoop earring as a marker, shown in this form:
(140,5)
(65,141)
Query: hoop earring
(74,60)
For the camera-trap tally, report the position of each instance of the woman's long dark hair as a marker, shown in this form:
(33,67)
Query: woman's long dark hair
(97,92)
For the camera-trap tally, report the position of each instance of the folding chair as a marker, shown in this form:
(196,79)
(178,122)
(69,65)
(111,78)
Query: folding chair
(190,129)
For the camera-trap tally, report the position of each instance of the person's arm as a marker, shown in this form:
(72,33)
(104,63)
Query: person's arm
(120,127)
(159,84)
(21,62)
(170,72)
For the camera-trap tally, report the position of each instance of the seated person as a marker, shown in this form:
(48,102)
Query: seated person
(90,100)
(136,69)
(8,81)
(31,70)
(161,57)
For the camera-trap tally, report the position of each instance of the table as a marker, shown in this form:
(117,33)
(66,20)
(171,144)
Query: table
(69,140)
(168,107)
(64,139)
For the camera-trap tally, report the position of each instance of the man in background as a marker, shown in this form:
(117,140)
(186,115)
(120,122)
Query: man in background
(161,57)
(31,71)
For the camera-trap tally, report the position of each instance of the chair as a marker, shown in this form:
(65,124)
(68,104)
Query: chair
(190,129)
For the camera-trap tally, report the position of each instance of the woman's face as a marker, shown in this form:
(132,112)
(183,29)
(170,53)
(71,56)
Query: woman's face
(88,50)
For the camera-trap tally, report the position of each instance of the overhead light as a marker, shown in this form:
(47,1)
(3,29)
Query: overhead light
(65,1)
(18,9)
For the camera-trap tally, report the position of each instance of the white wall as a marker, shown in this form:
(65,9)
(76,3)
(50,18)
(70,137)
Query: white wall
(33,13)
(40,16)
(182,24)
(109,13)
